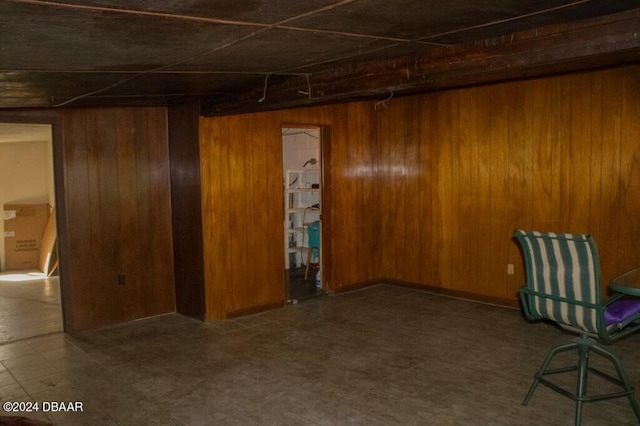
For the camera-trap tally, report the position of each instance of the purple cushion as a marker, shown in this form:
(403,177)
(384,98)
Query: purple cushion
(620,310)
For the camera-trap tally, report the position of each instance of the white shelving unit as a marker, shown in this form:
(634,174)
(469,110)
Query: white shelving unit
(303,205)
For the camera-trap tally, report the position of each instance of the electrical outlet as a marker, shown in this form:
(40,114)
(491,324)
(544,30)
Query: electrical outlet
(121,279)
(510,270)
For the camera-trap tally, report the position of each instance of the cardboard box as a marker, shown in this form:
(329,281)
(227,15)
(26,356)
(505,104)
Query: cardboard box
(48,253)
(24,225)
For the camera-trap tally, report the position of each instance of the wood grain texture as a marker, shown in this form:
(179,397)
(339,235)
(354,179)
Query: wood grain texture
(555,154)
(424,189)
(428,189)
(118,216)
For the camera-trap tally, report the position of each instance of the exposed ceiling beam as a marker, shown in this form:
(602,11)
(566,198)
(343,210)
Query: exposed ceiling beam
(605,41)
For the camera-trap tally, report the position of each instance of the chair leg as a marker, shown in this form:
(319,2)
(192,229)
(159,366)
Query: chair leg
(309,261)
(622,376)
(583,372)
(584,345)
(545,365)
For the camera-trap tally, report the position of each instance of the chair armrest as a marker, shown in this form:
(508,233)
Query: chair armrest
(615,296)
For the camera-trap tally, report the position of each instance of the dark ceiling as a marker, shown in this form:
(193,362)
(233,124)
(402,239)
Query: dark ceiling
(243,55)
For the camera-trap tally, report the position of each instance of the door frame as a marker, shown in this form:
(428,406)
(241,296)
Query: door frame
(57,140)
(327,210)
(325,194)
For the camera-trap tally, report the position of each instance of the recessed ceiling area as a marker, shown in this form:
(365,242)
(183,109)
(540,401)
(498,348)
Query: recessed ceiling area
(236,56)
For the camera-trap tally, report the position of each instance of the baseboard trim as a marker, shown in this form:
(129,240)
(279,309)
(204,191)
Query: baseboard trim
(431,289)
(254,310)
(388,281)
(354,287)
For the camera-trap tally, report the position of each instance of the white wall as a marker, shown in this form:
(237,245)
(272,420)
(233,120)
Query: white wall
(298,146)
(26,177)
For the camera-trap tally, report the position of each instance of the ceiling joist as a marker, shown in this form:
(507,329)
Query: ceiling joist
(600,42)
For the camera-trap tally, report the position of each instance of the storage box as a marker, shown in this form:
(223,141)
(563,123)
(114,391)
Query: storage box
(23,228)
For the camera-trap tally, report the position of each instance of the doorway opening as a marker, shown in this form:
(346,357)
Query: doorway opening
(29,281)
(303,194)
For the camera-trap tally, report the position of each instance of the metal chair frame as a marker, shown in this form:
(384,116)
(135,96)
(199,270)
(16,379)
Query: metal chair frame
(586,343)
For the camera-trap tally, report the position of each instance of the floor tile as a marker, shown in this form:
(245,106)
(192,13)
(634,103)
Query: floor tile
(383,355)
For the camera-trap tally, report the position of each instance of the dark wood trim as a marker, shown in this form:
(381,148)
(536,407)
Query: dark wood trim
(186,208)
(254,310)
(356,286)
(327,189)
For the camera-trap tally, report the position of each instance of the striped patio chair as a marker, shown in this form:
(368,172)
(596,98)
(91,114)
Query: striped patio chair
(563,286)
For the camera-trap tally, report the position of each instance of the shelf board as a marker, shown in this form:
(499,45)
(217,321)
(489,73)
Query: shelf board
(304,171)
(303,209)
(303,190)
(296,229)
(297,249)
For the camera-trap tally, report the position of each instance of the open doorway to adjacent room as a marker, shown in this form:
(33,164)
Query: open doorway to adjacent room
(302,189)
(30,300)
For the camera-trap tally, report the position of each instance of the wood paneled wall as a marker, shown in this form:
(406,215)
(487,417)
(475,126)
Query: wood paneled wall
(461,169)
(243,204)
(118,219)
(424,189)
(428,189)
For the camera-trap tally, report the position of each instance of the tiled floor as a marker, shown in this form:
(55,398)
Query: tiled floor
(29,305)
(380,356)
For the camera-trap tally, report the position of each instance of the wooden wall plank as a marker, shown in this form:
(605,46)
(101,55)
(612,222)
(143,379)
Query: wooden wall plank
(576,170)
(158,243)
(118,220)
(78,223)
(214,155)
(398,206)
(518,186)
(596,161)
(393,171)
(495,254)
(345,188)
(630,176)
(386,198)
(427,180)
(125,179)
(447,187)
(237,205)
(411,265)
(470,180)
(542,130)
(368,205)
(273,178)
(260,192)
